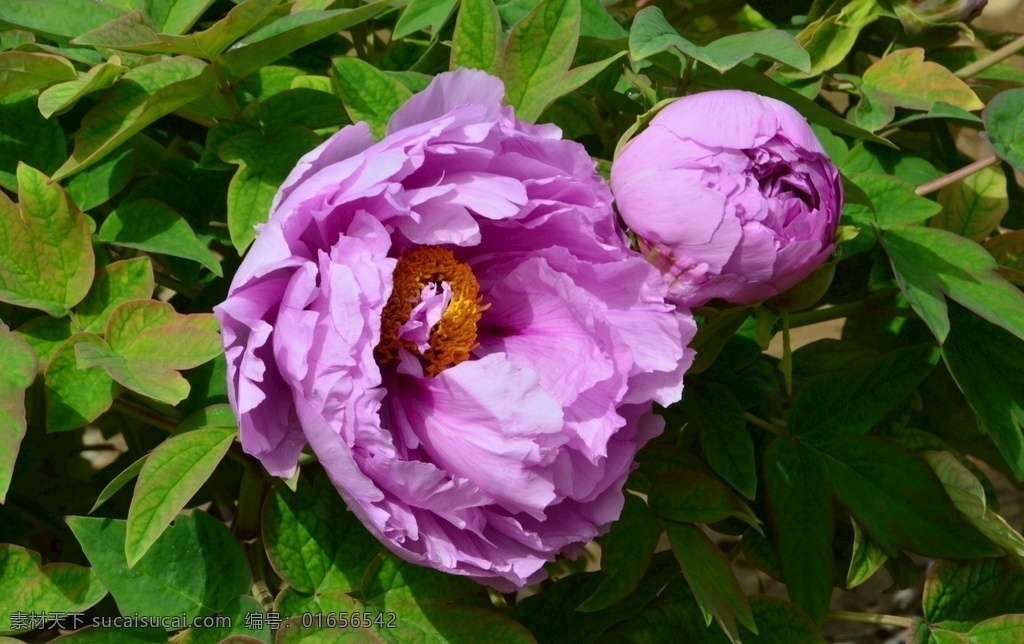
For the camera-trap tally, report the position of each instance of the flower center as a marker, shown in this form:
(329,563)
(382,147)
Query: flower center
(433,310)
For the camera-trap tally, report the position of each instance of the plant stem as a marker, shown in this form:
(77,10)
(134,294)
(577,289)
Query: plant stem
(870,618)
(771,428)
(998,55)
(956,175)
(247,529)
(840,311)
(148,416)
(786,364)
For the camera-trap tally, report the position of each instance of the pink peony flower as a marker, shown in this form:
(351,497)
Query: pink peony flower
(452,321)
(732,197)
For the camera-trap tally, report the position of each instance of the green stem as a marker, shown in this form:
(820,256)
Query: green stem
(247,529)
(998,55)
(786,364)
(771,428)
(956,175)
(840,311)
(144,414)
(870,618)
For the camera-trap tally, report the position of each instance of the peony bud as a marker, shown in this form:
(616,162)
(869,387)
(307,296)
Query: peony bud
(731,195)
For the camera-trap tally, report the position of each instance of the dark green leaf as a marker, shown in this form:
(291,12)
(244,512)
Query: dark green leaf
(899,501)
(98,183)
(931,265)
(850,402)
(693,498)
(800,500)
(45,335)
(779,622)
(61,97)
(1004,125)
(264,163)
(625,554)
(711,579)
(195,568)
(153,226)
(727,445)
(986,363)
(313,541)
(27,137)
(368,94)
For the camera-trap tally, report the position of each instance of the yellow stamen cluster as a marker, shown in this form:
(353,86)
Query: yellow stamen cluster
(454,336)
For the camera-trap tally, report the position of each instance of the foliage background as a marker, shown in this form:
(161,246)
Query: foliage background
(141,140)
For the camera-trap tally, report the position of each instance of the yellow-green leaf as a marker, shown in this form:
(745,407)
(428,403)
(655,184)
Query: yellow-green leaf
(17,372)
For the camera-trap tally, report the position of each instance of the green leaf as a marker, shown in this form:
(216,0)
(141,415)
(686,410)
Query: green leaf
(62,18)
(368,94)
(830,38)
(389,578)
(1004,125)
(673,617)
(477,41)
(238,610)
(97,184)
(116,283)
(711,579)
(985,361)
(310,108)
(848,403)
(46,258)
(264,162)
(313,541)
(75,397)
(865,559)
(176,16)
(968,495)
(423,14)
(140,97)
(153,226)
(284,36)
(26,137)
(119,482)
(242,19)
(626,553)
(196,567)
(800,501)
(727,445)
(148,344)
(539,51)
(45,335)
(693,498)
(61,97)
(22,71)
(17,373)
(960,594)
(26,586)
(780,622)
(1008,250)
(973,206)
(895,202)
(898,500)
(652,34)
(998,630)
(171,476)
(931,265)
